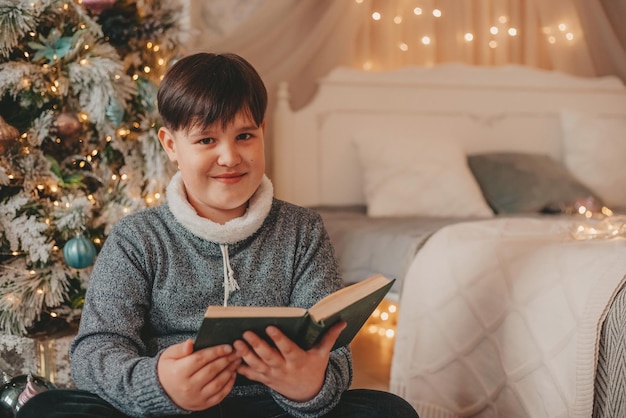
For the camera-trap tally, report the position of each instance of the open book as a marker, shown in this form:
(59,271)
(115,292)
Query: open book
(352,304)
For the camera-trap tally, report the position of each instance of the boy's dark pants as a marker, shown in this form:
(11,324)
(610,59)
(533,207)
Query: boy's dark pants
(358,403)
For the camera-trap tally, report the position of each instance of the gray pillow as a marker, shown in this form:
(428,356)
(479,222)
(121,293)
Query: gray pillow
(514,182)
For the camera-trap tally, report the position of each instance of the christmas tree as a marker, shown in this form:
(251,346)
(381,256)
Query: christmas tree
(78,143)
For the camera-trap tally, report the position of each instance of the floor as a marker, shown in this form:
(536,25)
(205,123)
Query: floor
(372,350)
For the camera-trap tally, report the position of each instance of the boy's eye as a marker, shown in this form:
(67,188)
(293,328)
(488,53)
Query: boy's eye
(206,141)
(244,136)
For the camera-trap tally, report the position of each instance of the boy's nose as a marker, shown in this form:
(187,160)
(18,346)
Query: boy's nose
(229,155)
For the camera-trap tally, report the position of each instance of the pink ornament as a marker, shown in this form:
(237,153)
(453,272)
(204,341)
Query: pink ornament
(68,125)
(98,6)
(30,390)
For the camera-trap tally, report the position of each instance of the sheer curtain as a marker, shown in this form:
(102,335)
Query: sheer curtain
(299,41)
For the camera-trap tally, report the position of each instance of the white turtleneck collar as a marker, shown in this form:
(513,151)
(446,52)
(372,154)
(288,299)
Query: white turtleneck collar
(232,231)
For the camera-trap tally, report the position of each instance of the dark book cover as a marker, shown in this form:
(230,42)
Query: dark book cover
(353,304)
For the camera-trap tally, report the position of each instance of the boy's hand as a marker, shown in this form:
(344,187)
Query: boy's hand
(289,370)
(197,381)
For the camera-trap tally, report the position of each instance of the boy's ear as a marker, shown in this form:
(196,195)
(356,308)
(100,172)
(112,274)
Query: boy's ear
(167,142)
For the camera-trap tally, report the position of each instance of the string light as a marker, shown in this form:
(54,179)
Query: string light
(383,321)
(501,26)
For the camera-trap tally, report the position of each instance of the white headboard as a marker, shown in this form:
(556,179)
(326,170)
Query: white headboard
(510,108)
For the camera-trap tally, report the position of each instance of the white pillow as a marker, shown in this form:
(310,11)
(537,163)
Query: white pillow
(594,149)
(407,177)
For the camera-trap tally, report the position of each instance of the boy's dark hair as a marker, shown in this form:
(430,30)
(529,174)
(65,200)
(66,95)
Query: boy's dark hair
(202,89)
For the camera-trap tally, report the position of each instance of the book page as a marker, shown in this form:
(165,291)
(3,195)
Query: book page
(253,311)
(347,296)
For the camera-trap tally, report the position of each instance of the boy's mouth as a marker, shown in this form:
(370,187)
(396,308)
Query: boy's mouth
(229,177)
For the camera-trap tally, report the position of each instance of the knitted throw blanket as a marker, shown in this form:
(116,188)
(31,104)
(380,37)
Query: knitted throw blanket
(502,318)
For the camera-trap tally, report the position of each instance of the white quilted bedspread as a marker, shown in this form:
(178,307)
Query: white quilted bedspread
(501,318)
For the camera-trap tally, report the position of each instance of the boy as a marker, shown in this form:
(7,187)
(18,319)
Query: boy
(221,239)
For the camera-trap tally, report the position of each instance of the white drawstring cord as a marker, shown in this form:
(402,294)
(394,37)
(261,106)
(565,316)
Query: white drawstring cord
(230,284)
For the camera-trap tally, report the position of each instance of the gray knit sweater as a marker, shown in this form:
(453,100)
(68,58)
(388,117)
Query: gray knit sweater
(161,267)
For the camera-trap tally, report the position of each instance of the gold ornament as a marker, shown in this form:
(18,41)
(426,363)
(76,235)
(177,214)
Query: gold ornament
(68,125)
(8,135)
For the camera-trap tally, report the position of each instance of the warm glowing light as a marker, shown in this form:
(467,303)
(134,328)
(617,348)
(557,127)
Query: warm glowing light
(83,61)
(149,45)
(426,40)
(54,188)
(124,176)
(376,16)
(562,27)
(26,54)
(469,37)
(512,32)
(393,308)
(384,316)
(397,20)
(551,39)
(493,44)
(417,11)
(493,30)
(503,19)
(403,47)
(437,13)
(569,36)
(146,69)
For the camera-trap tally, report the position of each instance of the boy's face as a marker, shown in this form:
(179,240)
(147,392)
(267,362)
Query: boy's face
(221,168)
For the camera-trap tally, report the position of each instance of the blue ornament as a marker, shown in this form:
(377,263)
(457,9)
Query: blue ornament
(115,112)
(79,252)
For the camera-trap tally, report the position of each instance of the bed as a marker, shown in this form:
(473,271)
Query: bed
(494,195)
